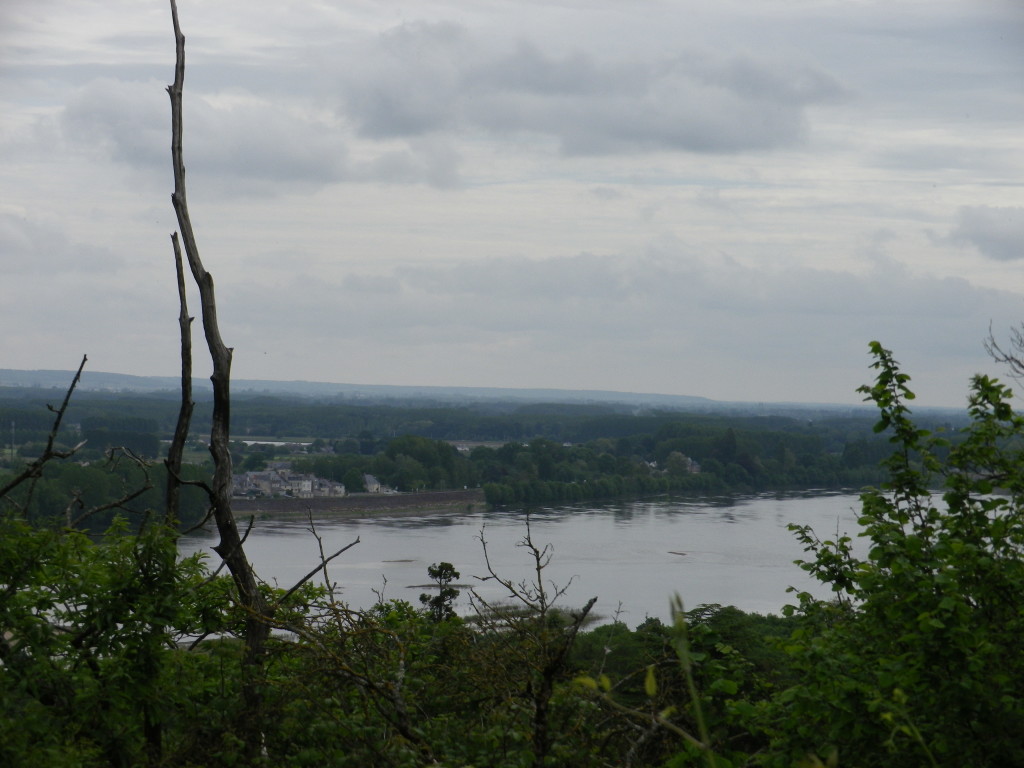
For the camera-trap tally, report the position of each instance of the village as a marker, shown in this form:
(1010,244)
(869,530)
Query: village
(279,481)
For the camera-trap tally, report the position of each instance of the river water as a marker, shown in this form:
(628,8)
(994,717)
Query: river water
(633,556)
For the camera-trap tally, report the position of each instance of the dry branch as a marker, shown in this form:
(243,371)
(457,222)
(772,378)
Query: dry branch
(258,610)
(50,452)
(177,447)
(324,560)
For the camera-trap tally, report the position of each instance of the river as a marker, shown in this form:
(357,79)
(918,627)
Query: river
(633,556)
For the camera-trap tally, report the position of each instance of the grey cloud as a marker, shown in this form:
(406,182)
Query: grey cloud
(238,141)
(996,232)
(764,79)
(371,284)
(648,322)
(410,84)
(606,194)
(429,78)
(432,161)
(29,245)
(130,121)
(528,70)
(266,142)
(583,277)
(941,156)
(592,300)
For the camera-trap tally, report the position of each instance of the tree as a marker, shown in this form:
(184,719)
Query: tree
(409,474)
(353,481)
(258,610)
(533,639)
(439,606)
(920,651)
(678,464)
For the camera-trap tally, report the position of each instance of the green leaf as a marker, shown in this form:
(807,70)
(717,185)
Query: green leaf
(728,687)
(650,682)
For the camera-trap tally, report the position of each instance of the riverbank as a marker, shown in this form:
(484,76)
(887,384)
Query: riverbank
(361,505)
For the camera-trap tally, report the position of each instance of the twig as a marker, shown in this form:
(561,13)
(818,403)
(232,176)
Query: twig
(323,564)
(49,452)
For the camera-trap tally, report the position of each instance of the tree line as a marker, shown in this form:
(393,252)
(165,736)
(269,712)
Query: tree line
(682,456)
(283,418)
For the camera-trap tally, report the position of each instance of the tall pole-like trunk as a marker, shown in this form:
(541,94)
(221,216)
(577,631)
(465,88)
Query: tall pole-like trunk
(258,611)
(177,448)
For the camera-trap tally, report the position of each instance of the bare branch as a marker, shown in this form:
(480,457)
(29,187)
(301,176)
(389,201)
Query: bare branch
(1013,359)
(177,447)
(229,547)
(323,564)
(116,504)
(34,469)
(258,611)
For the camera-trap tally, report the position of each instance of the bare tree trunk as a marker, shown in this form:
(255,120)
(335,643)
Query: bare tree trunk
(177,448)
(257,626)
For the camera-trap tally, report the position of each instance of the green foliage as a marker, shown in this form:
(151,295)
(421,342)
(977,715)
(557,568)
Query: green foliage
(115,652)
(683,456)
(440,606)
(89,662)
(687,693)
(920,655)
(91,496)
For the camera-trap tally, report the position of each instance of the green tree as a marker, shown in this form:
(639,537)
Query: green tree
(353,481)
(409,474)
(254,462)
(677,464)
(439,606)
(920,653)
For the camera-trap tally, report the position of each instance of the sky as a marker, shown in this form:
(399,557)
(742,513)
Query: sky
(727,199)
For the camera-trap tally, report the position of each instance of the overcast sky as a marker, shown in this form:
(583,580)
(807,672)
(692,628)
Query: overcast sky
(725,199)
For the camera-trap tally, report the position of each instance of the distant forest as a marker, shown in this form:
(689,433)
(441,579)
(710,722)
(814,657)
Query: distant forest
(517,453)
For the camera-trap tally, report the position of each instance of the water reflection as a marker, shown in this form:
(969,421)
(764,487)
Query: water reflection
(733,550)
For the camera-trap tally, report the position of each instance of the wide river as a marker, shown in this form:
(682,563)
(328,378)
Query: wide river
(633,556)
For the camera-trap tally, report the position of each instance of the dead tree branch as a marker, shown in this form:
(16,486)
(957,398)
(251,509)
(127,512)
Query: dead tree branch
(258,610)
(322,567)
(50,452)
(177,448)
(1013,358)
(119,503)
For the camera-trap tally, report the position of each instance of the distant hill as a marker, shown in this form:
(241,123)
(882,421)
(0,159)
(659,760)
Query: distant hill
(113,383)
(98,381)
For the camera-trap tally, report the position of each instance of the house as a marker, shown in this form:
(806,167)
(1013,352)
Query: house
(300,486)
(323,488)
(281,482)
(372,484)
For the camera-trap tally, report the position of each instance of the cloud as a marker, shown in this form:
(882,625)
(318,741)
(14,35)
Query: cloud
(711,131)
(432,160)
(242,143)
(237,135)
(996,232)
(666,320)
(925,155)
(33,246)
(427,78)
(128,121)
(606,194)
